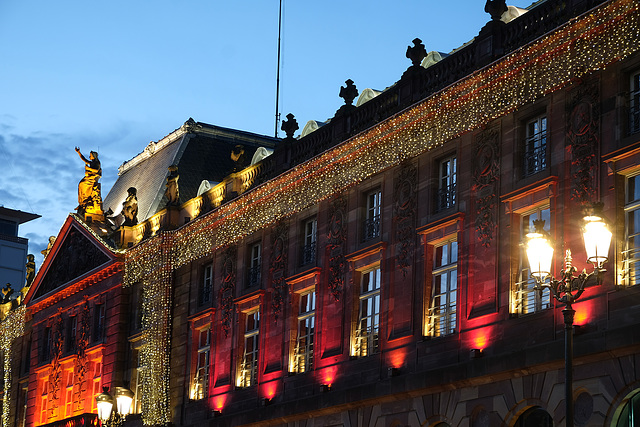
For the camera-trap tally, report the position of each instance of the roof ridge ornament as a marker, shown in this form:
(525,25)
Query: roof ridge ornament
(289,127)
(417,52)
(495,8)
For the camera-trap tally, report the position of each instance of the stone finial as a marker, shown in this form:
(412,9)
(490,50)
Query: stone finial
(190,125)
(289,126)
(495,8)
(349,92)
(417,52)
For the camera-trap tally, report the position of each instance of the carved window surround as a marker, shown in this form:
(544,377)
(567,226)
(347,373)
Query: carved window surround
(624,161)
(203,318)
(250,301)
(438,231)
(302,282)
(367,256)
(531,196)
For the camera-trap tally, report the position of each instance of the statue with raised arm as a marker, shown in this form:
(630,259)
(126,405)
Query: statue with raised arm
(172,191)
(89,197)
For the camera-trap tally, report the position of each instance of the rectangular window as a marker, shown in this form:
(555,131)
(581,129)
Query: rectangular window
(68,399)
(527,299)
(631,254)
(44,398)
(135,376)
(535,149)
(303,355)
(249,365)
(95,385)
(372,216)
(366,340)
(201,379)
(441,318)
(634,104)
(309,242)
(206,285)
(45,354)
(23,405)
(72,326)
(255,261)
(447,183)
(99,315)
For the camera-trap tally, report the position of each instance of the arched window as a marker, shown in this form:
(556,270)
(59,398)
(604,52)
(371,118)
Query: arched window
(534,417)
(630,415)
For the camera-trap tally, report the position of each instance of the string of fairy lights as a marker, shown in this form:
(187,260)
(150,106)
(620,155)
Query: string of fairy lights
(11,328)
(580,47)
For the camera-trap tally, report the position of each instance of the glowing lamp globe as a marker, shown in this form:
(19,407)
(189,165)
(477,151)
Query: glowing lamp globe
(539,252)
(597,239)
(104,402)
(124,399)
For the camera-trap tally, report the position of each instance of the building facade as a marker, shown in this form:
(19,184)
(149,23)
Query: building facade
(371,273)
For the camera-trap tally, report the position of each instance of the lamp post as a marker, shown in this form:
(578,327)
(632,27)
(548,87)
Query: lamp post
(567,290)
(123,400)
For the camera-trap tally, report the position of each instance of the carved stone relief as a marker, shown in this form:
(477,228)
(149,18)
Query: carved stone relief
(404,215)
(583,137)
(337,237)
(228,287)
(486,179)
(278,265)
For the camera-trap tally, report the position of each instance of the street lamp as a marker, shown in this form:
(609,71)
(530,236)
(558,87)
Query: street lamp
(567,290)
(123,400)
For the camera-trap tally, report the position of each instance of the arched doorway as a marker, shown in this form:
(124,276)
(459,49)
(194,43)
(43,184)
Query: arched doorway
(534,417)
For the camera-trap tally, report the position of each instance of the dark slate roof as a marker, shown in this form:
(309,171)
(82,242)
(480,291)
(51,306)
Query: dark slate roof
(201,152)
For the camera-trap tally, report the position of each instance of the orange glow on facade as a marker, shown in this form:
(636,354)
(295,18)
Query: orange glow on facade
(480,338)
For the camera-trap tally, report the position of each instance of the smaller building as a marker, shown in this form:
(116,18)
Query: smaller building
(13,249)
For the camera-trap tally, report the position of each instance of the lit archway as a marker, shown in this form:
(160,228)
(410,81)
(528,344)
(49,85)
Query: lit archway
(629,412)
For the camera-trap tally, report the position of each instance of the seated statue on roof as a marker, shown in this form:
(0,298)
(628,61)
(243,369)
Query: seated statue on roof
(172,192)
(45,252)
(130,207)
(89,197)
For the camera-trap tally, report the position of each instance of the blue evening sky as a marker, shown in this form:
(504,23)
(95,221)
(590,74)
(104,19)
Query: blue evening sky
(112,76)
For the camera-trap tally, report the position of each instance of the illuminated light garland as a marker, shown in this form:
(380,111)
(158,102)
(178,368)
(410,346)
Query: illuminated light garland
(153,268)
(11,327)
(578,48)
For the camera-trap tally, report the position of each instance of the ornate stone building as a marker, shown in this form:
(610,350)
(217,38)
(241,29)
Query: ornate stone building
(370,273)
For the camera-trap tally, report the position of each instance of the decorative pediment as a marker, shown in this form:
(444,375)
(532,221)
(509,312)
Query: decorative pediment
(74,255)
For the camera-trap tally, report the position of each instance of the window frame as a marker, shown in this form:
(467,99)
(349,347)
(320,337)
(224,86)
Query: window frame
(309,241)
(205,290)
(633,113)
(248,368)
(254,264)
(369,314)
(525,299)
(631,206)
(303,359)
(450,270)
(446,193)
(371,226)
(202,355)
(536,144)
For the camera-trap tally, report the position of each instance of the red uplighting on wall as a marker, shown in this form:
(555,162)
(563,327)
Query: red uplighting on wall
(584,313)
(218,402)
(480,338)
(328,375)
(397,358)
(269,389)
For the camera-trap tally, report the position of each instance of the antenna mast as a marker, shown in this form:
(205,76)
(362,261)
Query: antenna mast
(278,71)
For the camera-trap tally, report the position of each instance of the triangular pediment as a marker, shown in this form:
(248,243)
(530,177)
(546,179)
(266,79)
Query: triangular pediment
(75,254)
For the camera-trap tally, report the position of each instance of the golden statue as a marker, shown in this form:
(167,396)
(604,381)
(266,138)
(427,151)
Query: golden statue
(89,197)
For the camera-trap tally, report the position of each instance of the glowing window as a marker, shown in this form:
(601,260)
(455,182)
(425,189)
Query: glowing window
(367,332)
(249,365)
(303,353)
(526,299)
(441,317)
